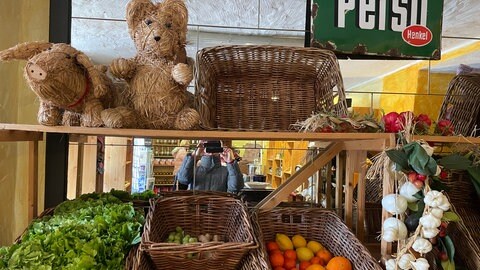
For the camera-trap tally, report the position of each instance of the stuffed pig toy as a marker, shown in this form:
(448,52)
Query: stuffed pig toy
(72,91)
(159,74)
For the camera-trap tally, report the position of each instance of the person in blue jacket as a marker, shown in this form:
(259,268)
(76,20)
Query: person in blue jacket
(210,174)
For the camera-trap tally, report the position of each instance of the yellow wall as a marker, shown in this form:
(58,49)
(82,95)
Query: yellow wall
(21,21)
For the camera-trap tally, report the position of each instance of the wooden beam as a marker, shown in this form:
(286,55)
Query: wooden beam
(328,186)
(349,176)
(80,155)
(361,170)
(32,180)
(368,145)
(301,176)
(385,247)
(19,136)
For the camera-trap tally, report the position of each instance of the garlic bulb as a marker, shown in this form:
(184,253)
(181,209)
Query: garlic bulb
(437,212)
(439,171)
(434,198)
(422,245)
(394,204)
(420,264)
(445,205)
(429,221)
(405,261)
(394,229)
(430,232)
(407,190)
(390,264)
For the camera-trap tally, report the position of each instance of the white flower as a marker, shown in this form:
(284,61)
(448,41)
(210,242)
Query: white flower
(437,212)
(420,264)
(430,232)
(445,205)
(434,198)
(422,245)
(429,221)
(405,261)
(427,148)
(390,264)
(408,190)
(394,204)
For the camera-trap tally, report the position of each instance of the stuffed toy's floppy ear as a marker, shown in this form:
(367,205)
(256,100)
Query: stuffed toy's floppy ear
(24,51)
(99,88)
(179,12)
(137,12)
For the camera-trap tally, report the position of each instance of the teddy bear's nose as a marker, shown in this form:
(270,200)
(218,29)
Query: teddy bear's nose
(157,38)
(35,72)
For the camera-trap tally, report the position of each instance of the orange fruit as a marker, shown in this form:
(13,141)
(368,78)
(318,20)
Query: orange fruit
(272,245)
(315,267)
(317,260)
(276,251)
(279,268)
(290,254)
(304,265)
(276,259)
(339,263)
(325,255)
(289,263)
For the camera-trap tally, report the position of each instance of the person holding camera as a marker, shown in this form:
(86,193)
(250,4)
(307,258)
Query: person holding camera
(210,174)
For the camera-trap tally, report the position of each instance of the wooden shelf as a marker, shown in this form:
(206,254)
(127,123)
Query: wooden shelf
(163,175)
(158,165)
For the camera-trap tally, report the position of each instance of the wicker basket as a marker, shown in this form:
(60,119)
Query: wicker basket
(316,224)
(198,214)
(266,87)
(460,104)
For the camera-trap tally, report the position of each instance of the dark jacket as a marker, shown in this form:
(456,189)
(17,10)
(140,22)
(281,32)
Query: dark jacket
(211,175)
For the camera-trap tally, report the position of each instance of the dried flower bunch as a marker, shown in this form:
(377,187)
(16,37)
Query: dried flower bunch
(159,74)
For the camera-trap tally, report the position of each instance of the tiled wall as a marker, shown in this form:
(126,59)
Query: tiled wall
(100,30)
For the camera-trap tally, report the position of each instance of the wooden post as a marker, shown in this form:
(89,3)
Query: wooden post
(328,186)
(385,247)
(349,175)
(361,158)
(339,171)
(32,180)
(79,179)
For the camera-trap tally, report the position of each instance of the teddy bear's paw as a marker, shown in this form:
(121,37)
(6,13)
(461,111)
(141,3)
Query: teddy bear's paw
(120,117)
(122,68)
(187,119)
(182,73)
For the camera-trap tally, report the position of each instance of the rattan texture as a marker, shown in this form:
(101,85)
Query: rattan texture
(316,224)
(266,87)
(198,214)
(461,103)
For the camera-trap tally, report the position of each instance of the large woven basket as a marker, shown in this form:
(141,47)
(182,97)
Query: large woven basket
(316,224)
(461,103)
(198,214)
(266,87)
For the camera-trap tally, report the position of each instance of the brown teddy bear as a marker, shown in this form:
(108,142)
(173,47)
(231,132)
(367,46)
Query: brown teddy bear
(159,74)
(72,91)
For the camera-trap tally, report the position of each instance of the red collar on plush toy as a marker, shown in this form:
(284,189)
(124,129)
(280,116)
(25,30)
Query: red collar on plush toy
(87,89)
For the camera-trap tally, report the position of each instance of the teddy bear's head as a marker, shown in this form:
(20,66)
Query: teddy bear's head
(158,29)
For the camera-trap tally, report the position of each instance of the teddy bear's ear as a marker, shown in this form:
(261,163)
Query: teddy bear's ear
(137,10)
(179,11)
(24,51)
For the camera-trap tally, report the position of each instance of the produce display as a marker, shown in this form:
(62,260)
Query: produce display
(297,253)
(94,231)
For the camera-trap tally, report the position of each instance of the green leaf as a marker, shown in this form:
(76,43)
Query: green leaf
(455,162)
(419,160)
(450,216)
(400,158)
(448,265)
(419,195)
(438,185)
(413,206)
(450,249)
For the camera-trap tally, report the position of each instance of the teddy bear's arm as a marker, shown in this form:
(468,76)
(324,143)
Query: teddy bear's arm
(100,89)
(24,51)
(182,73)
(123,68)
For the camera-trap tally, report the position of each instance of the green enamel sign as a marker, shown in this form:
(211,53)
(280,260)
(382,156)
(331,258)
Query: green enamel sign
(391,28)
